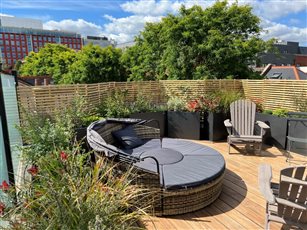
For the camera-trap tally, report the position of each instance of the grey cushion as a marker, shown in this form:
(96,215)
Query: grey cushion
(149,144)
(199,165)
(127,138)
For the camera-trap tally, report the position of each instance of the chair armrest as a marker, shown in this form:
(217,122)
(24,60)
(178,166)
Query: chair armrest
(292,180)
(229,126)
(264,181)
(300,206)
(262,125)
(227,123)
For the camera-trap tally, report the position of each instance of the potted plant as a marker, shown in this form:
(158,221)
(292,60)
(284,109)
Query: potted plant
(142,108)
(216,109)
(277,120)
(183,119)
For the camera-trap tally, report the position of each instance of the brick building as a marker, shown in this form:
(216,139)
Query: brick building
(19,37)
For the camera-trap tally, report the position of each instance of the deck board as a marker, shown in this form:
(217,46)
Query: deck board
(240,205)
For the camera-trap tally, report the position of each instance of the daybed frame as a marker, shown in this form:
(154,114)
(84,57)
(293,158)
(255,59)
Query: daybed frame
(164,202)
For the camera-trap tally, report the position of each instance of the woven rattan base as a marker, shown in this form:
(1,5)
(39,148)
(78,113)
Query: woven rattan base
(181,201)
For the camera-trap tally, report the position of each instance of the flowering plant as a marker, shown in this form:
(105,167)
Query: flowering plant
(67,192)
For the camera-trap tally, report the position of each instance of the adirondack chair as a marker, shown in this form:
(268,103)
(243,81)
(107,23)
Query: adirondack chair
(286,201)
(241,128)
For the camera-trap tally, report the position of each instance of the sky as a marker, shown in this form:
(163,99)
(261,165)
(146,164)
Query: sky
(122,20)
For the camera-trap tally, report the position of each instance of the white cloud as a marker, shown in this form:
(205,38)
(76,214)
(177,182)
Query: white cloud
(284,32)
(6,15)
(124,29)
(79,26)
(274,9)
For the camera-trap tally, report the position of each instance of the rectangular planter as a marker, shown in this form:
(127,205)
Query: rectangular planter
(159,116)
(81,136)
(214,128)
(277,134)
(298,129)
(184,125)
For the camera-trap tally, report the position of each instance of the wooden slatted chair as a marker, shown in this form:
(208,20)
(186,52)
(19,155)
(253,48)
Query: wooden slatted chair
(286,203)
(241,128)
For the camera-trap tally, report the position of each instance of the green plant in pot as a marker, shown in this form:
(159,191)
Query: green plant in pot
(115,105)
(277,120)
(143,108)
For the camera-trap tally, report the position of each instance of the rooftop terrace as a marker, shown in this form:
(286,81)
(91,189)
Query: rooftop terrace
(240,205)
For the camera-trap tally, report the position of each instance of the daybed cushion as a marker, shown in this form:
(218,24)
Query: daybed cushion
(127,138)
(200,164)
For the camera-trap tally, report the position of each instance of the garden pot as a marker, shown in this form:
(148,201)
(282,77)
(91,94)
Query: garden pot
(184,125)
(298,129)
(158,116)
(214,128)
(81,136)
(277,134)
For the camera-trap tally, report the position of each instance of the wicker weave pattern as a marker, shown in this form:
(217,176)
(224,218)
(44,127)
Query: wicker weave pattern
(146,132)
(166,202)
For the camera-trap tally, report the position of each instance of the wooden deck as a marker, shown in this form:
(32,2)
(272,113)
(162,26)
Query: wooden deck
(240,205)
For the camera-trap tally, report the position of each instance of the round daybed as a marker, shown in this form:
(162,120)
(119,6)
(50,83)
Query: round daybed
(183,175)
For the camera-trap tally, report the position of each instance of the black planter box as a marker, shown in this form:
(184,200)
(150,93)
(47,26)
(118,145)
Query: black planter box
(184,125)
(298,129)
(81,136)
(277,134)
(159,116)
(214,128)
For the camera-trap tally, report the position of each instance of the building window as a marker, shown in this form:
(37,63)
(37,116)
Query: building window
(1,36)
(17,36)
(6,36)
(12,36)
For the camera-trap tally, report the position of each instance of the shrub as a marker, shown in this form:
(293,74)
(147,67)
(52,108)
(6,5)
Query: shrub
(280,112)
(141,104)
(67,193)
(42,134)
(175,103)
(115,105)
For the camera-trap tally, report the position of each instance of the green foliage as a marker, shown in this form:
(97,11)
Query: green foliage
(267,111)
(280,112)
(217,42)
(42,134)
(115,106)
(216,102)
(95,64)
(226,98)
(52,60)
(87,120)
(175,103)
(141,104)
(67,193)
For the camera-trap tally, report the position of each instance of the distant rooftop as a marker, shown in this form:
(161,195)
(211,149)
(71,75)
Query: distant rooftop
(21,22)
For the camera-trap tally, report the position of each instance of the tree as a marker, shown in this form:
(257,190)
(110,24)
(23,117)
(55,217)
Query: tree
(217,42)
(95,64)
(52,60)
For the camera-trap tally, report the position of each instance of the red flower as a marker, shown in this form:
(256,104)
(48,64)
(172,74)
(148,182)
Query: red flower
(5,186)
(2,207)
(33,170)
(63,156)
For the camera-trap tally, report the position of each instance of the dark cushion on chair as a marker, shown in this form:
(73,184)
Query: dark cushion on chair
(127,137)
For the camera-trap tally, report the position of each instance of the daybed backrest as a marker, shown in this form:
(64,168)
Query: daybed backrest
(293,187)
(242,114)
(106,130)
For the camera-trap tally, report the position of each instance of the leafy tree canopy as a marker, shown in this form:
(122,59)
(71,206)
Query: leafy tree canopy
(217,42)
(52,60)
(95,64)
(90,65)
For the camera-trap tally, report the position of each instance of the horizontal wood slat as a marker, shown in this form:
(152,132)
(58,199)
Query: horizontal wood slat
(273,93)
